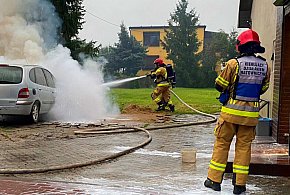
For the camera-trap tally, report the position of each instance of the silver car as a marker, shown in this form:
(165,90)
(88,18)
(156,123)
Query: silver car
(26,90)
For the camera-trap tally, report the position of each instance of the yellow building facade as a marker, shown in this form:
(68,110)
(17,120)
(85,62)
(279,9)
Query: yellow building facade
(152,36)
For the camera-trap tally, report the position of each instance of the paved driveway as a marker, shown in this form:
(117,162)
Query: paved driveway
(155,169)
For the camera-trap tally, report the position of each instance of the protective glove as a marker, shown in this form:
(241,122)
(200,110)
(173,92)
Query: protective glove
(224,97)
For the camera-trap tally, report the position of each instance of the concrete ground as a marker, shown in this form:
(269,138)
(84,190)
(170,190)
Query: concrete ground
(154,169)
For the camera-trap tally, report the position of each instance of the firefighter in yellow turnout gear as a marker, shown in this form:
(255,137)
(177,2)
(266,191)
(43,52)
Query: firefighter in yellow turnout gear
(243,80)
(161,93)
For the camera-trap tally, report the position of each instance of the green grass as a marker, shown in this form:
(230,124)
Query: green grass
(200,99)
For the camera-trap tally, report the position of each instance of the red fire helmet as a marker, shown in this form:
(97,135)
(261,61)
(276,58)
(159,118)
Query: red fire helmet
(158,61)
(247,36)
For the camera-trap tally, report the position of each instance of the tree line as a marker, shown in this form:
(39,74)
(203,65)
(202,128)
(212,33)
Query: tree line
(124,58)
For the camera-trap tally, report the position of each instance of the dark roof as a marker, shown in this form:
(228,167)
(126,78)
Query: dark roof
(245,10)
(157,27)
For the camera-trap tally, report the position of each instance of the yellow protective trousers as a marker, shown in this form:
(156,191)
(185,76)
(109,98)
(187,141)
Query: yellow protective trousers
(161,94)
(224,133)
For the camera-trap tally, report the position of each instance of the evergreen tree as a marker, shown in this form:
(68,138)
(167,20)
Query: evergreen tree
(126,57)
(182,45)
(80,49)
(72,14)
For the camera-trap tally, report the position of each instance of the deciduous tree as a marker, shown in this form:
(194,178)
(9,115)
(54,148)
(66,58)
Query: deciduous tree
(217,50)
(126,57)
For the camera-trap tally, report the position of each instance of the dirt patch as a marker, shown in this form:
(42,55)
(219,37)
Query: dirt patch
(143,114)
(133,109)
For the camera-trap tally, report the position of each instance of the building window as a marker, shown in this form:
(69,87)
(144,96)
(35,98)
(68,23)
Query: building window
(151,39)
(148,61)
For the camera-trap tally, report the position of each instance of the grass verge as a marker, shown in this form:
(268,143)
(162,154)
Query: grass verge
(200,99)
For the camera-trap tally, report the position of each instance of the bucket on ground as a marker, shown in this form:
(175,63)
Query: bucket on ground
(264,127)
(188,155)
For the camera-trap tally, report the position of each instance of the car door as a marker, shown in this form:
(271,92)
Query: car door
(43,90)
(51,87)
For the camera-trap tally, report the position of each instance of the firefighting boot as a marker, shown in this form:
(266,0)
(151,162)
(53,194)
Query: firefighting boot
(239,189)
(171,107)
(234,179)
(161,106)
(213,185)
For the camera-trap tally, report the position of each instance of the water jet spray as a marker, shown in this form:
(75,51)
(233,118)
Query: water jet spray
(119,82)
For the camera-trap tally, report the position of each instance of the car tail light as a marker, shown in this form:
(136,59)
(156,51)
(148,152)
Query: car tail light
(23,93)
(3,64)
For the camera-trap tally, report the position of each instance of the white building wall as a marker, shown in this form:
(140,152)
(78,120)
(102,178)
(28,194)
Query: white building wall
(264,19)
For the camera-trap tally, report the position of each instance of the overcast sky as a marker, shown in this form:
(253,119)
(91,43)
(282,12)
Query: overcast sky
(104,17)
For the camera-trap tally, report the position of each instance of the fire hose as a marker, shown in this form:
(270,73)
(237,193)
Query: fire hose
(114,130)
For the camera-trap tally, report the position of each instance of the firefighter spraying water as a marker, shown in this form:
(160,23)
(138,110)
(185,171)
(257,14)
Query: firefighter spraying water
(164,78)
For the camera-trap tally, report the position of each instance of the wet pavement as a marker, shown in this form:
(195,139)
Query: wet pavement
(154,169)
(13,186)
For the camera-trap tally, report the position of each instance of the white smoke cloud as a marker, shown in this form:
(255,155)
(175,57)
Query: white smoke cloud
(79,89)
(28,34)
(19,40)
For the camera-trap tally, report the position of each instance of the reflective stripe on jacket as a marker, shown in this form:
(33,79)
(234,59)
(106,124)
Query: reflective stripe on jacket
(232,107)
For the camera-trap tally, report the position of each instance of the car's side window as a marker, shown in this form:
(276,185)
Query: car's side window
(49,78)
(32,75)
(40,78)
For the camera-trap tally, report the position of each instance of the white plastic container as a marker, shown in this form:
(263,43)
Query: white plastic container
(188,155)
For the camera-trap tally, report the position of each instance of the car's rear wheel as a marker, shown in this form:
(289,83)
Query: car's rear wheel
(34,114)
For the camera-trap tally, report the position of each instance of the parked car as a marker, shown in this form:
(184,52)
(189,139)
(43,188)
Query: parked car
(26,90)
